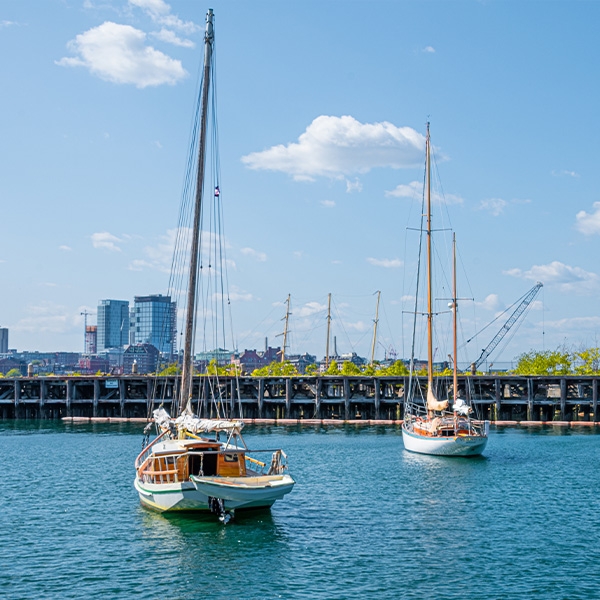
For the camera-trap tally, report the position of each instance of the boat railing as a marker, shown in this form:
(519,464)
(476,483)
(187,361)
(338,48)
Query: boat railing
(147,450)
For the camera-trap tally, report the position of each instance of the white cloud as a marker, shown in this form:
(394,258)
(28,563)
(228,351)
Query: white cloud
(388,263)
(65,248)
(328,203)
(118,53)
(170,37)
(494,205)
(564,173)
(356,326)
(106,241)
(45,318)
(353,186)
(160,12)
(566,278)
(309,309)
(339,146)
(589,224)
(491,302)
(429,49)
(259,256)
(7,23)
(415,190)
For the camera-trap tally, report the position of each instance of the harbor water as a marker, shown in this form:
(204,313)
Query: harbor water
(365,520)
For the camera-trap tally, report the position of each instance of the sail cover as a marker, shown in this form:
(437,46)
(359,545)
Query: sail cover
(194,424)
(433,403)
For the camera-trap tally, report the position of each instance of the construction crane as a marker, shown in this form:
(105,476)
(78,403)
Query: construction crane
(514,317)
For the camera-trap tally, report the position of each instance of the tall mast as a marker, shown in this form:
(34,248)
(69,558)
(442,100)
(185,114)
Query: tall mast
(454,319)
(285,329)
(429,274)
(188,363)
(328,331)
(375,322)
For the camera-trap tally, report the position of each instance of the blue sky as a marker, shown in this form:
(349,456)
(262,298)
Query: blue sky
(322,112)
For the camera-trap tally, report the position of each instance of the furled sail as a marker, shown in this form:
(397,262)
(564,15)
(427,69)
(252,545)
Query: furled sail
(433,403)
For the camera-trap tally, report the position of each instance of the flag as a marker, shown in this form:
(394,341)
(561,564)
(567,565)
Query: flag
(217,191)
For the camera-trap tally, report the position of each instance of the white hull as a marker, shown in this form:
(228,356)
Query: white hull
(194,495)
(461,445)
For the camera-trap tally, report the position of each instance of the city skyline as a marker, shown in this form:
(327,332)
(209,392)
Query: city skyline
(322,119)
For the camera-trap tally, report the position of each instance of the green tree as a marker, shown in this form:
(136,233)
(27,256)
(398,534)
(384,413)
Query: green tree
(349,368)
(14,373)
(333,368)
(396,369)
(170,370)
(276,369)
(548,362)
(588,361)
(311,369)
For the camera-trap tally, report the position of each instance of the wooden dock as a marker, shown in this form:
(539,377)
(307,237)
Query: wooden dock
(498,398)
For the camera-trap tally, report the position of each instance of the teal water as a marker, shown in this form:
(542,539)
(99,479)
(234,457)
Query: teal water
(365,520)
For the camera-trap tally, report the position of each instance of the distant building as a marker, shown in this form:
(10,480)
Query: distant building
(301,361)
(91,339)
(113,324)
(8,364)
(145,356)
(3,340)
(154,321)
(92,364)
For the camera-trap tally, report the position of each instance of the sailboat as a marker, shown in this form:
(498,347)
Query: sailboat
(442,427)
(204,464)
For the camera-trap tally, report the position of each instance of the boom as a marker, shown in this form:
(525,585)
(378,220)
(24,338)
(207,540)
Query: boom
(527,300)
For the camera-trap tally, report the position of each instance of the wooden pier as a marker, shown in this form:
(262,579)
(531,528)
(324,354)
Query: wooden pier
(499,398)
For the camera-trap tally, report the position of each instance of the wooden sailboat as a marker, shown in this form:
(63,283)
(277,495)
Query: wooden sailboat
(203,464)
(431,425)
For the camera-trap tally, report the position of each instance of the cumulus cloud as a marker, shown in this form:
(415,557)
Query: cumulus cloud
(259,256)
(309,309)
(491,302)
(565,277)
(65,248)
(328,203)
(415,190)
(106,241)
(429,50)
(160,12)
(170,37)
(119,54)
(339,146)
(589,223)
(388,263)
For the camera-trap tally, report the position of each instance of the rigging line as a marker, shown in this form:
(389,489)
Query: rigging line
(411,379)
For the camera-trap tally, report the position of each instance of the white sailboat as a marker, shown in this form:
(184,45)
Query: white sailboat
(203,464)
(431,425)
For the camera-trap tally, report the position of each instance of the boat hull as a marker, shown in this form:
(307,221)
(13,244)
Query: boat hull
(461,445)
(193,496)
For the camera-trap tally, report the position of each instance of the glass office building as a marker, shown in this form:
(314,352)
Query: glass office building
(154,321)
(113,321)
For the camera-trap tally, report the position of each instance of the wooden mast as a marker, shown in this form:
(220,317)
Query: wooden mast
(454,321)
(429,261)
(188,363)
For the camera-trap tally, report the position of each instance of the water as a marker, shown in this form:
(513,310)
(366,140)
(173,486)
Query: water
(365,520)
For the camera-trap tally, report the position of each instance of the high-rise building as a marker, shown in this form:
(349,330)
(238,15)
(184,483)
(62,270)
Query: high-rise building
(113,324)
(3,340)
(154,321)
(91,339)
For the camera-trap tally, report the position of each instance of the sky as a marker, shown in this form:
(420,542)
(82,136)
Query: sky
(322,112)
